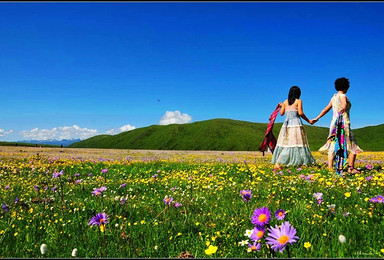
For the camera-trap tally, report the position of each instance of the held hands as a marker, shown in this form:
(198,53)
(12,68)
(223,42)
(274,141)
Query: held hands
(312,121)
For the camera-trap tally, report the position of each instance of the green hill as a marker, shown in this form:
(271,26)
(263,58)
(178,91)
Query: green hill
(218,134)
(215,134)
(370,138)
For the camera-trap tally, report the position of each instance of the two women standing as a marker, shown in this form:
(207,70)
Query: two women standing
(292,144)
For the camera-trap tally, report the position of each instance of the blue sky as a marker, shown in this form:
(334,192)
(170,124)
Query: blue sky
(74,70)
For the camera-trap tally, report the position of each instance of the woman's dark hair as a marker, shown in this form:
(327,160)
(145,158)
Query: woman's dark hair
(294,93)
(341,84)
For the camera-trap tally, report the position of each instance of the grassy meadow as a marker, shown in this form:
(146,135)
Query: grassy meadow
(185,203)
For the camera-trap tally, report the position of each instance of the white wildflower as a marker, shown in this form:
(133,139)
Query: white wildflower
(248,232)
(244,242)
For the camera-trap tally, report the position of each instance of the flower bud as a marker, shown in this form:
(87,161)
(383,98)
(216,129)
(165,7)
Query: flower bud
(74,252)
(342,239)
(43,249)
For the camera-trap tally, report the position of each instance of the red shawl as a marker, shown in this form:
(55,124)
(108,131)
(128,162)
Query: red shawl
(269,138)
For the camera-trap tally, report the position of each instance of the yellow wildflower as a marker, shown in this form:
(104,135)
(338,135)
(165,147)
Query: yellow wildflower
(211,250)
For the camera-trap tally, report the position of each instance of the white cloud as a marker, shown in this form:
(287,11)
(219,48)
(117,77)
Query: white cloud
(5,133)
(124,128)
(59,133)
(175,117)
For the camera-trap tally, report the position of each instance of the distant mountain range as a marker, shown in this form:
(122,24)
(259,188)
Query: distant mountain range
(219,134)
(64,142)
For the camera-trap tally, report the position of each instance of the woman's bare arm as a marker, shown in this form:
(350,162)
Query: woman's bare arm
(300,110)
(324,111)
(282,110)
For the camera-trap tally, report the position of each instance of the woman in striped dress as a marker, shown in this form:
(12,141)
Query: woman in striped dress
(292,147)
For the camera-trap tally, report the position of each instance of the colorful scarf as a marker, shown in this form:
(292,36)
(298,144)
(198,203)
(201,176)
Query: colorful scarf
(269,138)
(341,152)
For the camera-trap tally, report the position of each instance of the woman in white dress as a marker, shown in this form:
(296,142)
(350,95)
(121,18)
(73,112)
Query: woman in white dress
(292,147)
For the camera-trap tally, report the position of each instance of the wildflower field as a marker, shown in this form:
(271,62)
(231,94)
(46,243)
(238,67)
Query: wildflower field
(60,203)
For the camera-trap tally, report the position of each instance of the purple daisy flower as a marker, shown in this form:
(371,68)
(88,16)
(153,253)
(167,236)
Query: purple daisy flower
(154,176)
(123,201)
(167,200)
(57,174)
(369,178)
(6,187)
(78,181)
(257,233)
(280,214)
(255,246)
(99,219)
(309,177)
(261,216)
(104,170)
(380,199)
(54,188)
(123,185)
(247,195)
(36,188)
(318,195)
(177,205)
(279,238)
(89,174)
(5,207)
(373,200)
(76,175)
(16,200)
(97,192)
